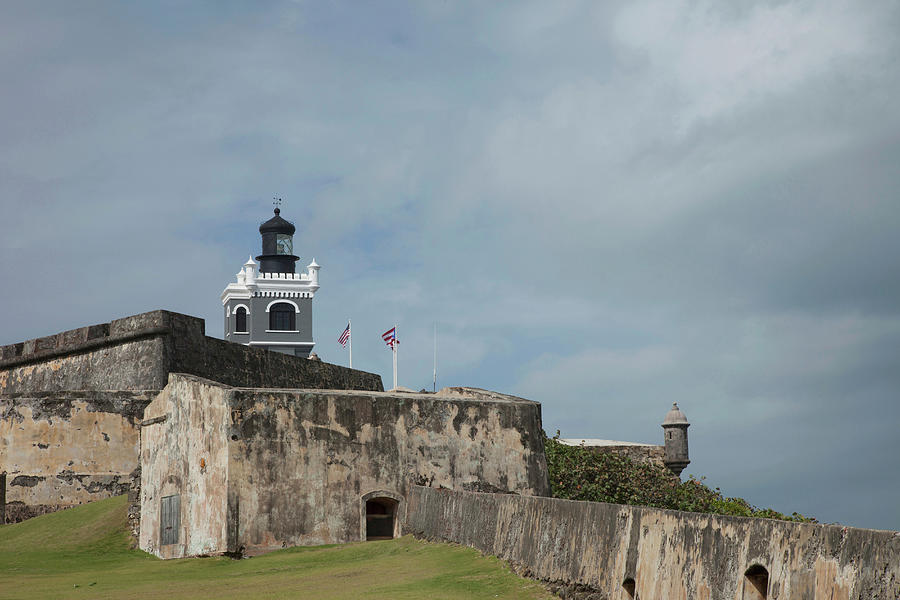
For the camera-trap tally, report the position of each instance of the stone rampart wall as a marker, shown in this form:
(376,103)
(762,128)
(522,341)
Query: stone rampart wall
(644,454)
(59,449)
(139,352)
(71,403)
(300,463)
(660,554)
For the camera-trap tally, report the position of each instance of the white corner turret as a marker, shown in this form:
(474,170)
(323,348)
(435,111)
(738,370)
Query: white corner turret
(250,271)
(312,271)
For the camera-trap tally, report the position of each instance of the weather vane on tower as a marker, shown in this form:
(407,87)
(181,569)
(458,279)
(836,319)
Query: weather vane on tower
(276,202)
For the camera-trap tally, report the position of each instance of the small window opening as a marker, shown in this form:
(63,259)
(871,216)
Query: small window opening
(282,317)
(240,320)
(380,513)
(756,583)
(628,585)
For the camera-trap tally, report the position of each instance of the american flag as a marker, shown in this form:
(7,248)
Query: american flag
(345,336)
(390,337)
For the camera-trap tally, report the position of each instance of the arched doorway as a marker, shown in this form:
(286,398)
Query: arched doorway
(381,515)
(756,583)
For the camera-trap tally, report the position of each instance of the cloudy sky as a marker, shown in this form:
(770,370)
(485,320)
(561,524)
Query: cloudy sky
(606,207)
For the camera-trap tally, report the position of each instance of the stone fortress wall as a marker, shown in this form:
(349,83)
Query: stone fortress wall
(255,470)
(289,451)
(139,352)
(598,550)
(650,454)
(71,404)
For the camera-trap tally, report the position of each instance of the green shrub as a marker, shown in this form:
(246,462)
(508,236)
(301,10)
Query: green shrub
(577,473)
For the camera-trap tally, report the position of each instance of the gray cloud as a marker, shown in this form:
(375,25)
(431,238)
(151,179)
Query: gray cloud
(603,207)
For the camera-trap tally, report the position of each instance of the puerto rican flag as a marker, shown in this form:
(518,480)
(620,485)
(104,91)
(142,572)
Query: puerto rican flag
(345,337)
(390,337)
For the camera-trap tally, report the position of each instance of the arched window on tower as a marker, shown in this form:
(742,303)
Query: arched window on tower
(240,320)
(282,317)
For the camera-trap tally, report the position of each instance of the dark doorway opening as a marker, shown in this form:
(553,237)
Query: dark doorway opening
(756,583)
(380,516)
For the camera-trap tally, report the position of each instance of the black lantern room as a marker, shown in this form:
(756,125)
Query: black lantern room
(277,245)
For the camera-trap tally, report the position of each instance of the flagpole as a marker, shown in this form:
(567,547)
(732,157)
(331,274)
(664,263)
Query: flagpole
(394,347)
(350,340)
(434,374)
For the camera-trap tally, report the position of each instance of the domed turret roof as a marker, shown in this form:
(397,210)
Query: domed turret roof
(277,225)
(675,416)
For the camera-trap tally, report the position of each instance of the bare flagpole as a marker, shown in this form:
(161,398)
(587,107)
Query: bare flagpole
(434,374)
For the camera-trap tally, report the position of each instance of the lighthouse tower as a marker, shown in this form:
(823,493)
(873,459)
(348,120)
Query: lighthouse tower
(270,306)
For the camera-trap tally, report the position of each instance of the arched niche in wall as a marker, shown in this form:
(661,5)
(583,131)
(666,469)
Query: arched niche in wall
(756,583)
(629,587)
(381,514)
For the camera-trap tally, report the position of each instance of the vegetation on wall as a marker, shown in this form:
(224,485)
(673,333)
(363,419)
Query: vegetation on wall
(577,473)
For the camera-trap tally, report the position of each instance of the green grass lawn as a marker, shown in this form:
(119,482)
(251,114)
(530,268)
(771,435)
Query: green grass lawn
(84,552)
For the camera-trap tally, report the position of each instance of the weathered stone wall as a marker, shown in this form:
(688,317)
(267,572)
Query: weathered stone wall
(639,453)
(60,449)
(185,452)
(308,457)
(243,366)
(669,554)
(139,352)
(301,461)
(70,402)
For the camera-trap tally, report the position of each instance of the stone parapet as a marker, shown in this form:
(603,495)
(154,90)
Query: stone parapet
(139,352)
(621,551)
(639,453)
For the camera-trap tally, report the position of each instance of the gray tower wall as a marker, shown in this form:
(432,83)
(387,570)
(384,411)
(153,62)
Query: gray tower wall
(258,325)
(231,320)
(676,444)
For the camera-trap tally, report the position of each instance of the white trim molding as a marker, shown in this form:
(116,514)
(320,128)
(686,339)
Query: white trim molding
(283,301)
(259,343)
(244,306)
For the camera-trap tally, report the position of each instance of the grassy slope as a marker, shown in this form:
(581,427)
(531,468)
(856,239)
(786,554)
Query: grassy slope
(83,553)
